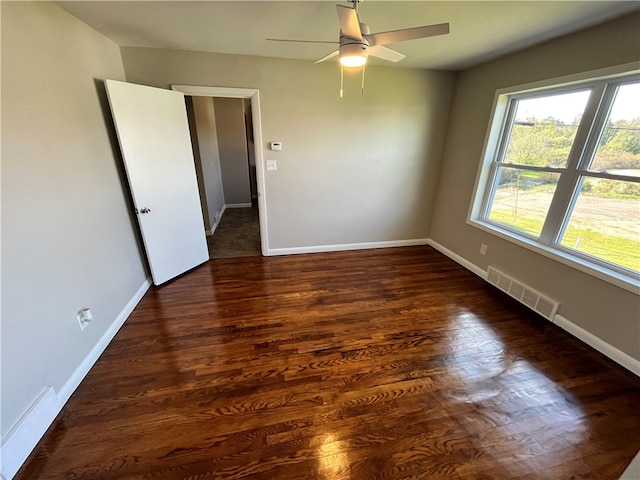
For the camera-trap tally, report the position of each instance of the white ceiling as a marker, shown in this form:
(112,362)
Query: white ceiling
(480,30)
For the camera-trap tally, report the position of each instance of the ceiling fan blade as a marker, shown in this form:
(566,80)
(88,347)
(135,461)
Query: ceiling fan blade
(349,23)
(298,41)
(385,53)
(327,57)
(396,36)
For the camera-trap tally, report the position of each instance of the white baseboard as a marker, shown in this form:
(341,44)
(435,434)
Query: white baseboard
(458,259)
(346,246)
(27,432)
(600,345)
(238,205)
(215,226)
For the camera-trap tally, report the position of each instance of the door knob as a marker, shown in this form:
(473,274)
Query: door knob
(145,210)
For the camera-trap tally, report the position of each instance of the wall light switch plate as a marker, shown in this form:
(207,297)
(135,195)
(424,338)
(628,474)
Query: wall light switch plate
(272,165)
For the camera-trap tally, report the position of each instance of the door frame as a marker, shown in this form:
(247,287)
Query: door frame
(254,95)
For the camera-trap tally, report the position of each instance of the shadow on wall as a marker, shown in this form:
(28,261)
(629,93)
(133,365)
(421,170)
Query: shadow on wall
(122,174)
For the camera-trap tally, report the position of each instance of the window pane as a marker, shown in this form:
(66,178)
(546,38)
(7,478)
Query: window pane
(544,129)
(522,199)
(619,147)
(605,222)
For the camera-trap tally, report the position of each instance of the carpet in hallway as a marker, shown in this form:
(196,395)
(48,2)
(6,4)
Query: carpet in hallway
(237,235)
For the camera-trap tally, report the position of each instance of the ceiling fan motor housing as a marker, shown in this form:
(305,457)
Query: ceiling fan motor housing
(355,47)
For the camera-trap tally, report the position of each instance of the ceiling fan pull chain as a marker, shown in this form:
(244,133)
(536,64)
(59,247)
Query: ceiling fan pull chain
(362,85)
(341,80)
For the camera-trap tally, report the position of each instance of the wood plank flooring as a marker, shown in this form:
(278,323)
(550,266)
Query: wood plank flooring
(378,364)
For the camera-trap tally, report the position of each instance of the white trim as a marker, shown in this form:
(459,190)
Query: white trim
(207,91)
(27,432)
(238,205)
(215,226)
(458,259)
(572,79)
(598,344)
(347,246)
(254,95)
(220,214)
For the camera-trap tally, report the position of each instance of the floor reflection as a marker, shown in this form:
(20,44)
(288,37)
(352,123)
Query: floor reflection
(333,461)
(506,394)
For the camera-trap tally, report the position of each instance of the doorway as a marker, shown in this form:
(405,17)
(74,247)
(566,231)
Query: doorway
(254,168)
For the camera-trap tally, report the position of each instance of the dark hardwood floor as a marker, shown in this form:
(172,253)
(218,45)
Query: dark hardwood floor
(378,364)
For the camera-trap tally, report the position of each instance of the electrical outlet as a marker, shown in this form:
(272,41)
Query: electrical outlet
(483,249)
(84,317)
(272,165)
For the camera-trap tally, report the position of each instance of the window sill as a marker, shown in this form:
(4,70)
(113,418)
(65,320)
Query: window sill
(627,282)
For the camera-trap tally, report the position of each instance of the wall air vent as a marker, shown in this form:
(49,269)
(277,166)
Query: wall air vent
(537,302)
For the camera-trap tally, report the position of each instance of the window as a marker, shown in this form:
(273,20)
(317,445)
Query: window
(562,173)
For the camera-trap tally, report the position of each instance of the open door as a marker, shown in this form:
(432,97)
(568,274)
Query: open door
(154,138)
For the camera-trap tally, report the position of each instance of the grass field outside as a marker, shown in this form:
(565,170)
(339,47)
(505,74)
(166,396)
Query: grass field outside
(604,227)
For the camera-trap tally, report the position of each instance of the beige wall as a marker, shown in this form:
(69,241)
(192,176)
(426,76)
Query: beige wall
(67,235)
(604,310)
(363,168)
(209,173)
(232,145)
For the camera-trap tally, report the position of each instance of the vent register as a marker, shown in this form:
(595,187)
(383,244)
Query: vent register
(533,299)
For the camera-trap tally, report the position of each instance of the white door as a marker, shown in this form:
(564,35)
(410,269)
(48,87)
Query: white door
(154,138)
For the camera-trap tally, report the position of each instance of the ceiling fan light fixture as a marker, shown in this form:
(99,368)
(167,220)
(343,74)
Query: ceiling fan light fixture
(356,41)
(353,60)
(353,54)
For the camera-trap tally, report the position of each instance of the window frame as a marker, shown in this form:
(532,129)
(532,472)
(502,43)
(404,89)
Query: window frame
(603,84)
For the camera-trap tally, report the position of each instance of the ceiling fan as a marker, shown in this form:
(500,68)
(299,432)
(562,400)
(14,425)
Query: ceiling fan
(356,42)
